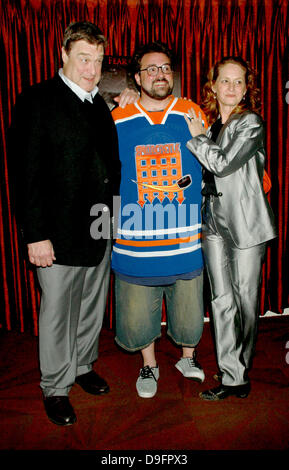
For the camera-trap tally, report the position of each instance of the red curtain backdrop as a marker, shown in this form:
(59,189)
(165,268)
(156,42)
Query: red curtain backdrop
(199,32)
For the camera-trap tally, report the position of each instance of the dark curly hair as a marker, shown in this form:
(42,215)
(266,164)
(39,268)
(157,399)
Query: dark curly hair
(156,46)
(251,101)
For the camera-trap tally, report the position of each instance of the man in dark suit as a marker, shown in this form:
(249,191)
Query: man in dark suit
(67,161)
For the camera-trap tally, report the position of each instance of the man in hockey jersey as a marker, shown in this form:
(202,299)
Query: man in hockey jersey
(157,253)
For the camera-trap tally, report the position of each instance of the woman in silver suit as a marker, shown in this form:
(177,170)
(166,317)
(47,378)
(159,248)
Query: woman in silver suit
(237,219)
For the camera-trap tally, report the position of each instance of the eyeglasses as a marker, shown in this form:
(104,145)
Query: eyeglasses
(153,70)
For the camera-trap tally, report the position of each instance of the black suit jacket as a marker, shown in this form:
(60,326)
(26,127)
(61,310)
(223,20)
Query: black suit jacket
(64,155)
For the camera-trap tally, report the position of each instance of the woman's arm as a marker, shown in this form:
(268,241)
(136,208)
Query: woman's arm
(247,138)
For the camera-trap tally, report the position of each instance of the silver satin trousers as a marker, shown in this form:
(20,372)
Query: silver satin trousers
(234,275)
(72,307)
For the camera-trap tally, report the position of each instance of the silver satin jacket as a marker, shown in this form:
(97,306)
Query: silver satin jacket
(237,161)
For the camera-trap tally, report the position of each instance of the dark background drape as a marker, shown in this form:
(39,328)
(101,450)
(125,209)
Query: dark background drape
(199,32)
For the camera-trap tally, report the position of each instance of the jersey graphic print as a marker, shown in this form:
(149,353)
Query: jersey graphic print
(159,223)
(159,173)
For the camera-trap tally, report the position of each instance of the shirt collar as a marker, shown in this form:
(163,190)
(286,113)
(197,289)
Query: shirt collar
(80,92)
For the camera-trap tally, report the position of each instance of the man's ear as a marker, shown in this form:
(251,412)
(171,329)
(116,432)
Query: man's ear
(64,55)
(137,78)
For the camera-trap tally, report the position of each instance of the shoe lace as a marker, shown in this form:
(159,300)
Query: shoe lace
(193,362)
(147,373)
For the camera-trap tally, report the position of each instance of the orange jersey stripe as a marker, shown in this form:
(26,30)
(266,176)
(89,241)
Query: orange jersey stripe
(173,241)
(183,106)
(122,113)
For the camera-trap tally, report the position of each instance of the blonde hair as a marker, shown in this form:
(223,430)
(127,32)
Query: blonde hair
(251,100)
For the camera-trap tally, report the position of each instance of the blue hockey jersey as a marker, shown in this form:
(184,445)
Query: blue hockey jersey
(159,222)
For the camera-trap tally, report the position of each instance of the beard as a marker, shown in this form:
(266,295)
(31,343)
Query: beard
(159,93)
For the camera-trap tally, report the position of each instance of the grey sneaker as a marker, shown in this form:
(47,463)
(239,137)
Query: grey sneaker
(190,368)
(146,383)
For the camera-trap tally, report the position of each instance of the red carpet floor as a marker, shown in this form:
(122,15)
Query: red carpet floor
(175,419)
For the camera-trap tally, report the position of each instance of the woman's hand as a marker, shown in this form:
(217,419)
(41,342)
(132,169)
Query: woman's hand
(194,122)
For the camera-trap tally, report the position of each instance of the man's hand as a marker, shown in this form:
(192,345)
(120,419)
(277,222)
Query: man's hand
(41,253)
(127,96)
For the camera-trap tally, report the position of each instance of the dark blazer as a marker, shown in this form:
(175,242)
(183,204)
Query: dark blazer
(64,159)
(237,161)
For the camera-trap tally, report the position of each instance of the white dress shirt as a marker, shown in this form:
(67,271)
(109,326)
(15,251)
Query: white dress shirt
(80,92)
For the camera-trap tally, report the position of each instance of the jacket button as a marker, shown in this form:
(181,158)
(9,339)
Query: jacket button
(106,180)
(220,194)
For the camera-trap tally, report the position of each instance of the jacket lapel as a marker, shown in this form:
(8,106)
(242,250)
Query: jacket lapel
(224,127)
